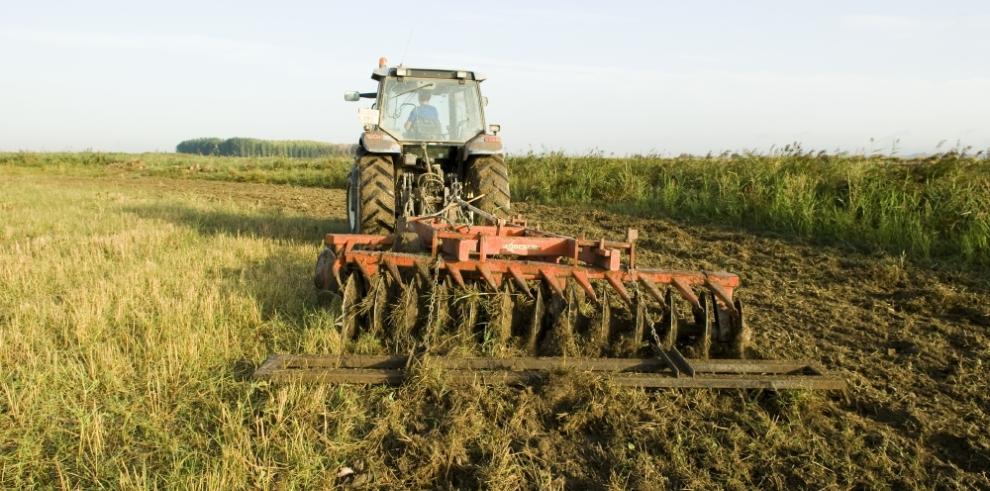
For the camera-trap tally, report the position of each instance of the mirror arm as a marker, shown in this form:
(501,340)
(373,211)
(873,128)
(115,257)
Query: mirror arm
(369,95)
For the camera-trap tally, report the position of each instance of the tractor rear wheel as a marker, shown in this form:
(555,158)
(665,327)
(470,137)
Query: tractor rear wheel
(371,195)
(488,177)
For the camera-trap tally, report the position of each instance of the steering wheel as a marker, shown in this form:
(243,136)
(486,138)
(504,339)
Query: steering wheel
(398,109)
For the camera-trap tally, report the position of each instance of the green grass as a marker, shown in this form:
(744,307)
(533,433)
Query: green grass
(320,172)
(936,208)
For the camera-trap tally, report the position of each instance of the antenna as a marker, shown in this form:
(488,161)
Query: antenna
(405,51)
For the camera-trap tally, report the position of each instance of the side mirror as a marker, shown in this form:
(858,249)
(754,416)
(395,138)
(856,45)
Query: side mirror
(352,96)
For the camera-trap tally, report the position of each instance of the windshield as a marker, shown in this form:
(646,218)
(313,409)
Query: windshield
(430,109)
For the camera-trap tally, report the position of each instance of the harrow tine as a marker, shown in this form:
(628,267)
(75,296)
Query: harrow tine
(721,294)
(552,281)
(582,280)
(616,283)
(455,273)
(423,271)
(520,280)
(393,270)
(651,287)
(365,272)
(489,278)
(686,292)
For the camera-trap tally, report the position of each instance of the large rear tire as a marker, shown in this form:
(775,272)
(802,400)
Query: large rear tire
(488,176)
(371,195)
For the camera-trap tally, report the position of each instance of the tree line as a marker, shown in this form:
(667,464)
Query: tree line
(253,147)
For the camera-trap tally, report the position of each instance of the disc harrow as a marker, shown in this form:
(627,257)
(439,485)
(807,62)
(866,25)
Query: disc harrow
(504,302)
(510,289)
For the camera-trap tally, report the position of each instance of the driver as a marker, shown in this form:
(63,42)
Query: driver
(424,111)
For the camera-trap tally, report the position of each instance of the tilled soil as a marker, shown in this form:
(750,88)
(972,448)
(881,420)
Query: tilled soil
(912,342)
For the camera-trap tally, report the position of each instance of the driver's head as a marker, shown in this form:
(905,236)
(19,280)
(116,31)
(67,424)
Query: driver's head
(424,97)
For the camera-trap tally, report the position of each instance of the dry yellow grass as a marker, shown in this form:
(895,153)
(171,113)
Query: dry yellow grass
(133,310)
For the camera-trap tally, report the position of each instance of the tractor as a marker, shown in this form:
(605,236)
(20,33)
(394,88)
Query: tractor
(435,269)
(424,135)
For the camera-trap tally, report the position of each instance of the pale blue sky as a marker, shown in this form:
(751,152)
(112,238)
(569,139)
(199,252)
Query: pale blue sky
(622,77)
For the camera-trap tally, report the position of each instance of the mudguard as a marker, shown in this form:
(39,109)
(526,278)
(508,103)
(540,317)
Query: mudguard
(379,142)
(483,144)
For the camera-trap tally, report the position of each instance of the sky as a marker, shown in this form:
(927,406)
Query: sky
(664,77)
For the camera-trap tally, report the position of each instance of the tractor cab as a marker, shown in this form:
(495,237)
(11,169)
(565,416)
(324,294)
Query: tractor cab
(416,106)
(424,109)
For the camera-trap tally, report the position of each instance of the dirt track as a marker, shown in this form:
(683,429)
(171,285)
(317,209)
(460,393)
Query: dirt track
(913,344)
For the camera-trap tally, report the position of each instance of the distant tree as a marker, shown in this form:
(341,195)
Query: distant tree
(252,147)
(201,146)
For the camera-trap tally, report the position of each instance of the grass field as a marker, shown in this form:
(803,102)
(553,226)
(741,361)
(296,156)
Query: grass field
(138,292)
(935,209)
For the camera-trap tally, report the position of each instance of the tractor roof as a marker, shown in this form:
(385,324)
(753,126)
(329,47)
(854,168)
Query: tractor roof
(402,71)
